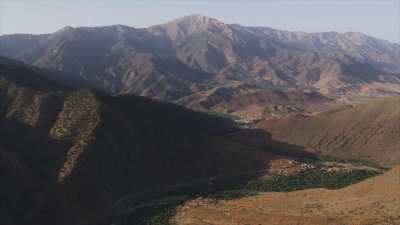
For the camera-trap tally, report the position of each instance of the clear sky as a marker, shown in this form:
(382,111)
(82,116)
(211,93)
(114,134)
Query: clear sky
(379,18)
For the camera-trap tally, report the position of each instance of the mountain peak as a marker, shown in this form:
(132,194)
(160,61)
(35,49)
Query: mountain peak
(65,29)
(188,25)
(197,18)
(199,21)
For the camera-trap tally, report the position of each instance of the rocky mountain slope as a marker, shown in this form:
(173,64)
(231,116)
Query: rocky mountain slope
(374,201)
(368,131)
(246,103)
(187,59)
(69,157)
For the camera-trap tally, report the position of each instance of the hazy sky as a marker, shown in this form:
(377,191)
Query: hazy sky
(379,18)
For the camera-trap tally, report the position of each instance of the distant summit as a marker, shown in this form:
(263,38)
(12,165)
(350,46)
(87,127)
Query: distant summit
(65,29)
(180,28)
(210,65)
(198,18)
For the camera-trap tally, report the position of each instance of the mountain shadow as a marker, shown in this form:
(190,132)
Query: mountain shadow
(73,156)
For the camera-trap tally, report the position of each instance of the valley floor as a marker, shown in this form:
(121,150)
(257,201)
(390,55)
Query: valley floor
(291,192)
(374,201)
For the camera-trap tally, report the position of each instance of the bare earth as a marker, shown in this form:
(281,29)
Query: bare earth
(374,201)
(369,131)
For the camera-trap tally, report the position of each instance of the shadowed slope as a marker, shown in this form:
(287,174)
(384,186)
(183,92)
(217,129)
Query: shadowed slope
(85,151)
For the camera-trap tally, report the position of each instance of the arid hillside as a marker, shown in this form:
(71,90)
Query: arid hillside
(374,201)
(369,131)
(197,61)
(245,103)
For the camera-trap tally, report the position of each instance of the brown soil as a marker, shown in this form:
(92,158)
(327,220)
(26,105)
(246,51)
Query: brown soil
(374,201)
(368,131)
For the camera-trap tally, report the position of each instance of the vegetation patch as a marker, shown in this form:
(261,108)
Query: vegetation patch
(162,217)
(319,177)
(223,115)
(308,179)
(357,162)
(157,215)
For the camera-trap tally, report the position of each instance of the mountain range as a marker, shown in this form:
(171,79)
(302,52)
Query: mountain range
(94,121)
(73,156)
(205,64)
(83,157)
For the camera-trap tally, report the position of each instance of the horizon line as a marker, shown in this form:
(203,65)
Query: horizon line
(194,15)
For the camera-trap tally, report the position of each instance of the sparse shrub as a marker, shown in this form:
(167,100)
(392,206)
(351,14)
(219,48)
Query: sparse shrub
(304,180)
(161,218)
